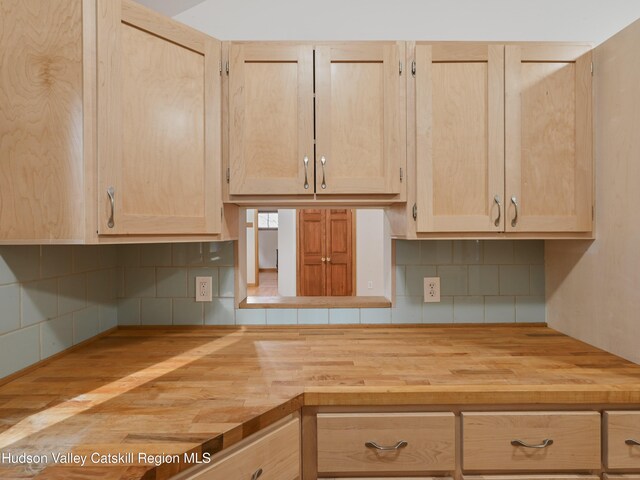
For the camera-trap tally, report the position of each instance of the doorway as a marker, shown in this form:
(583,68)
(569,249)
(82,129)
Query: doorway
(264,257)
(326,252)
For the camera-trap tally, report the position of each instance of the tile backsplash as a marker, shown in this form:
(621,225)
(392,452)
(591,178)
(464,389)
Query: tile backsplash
(482,281)
(53,297)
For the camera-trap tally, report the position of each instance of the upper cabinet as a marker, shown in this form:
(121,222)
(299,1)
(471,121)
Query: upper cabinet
(460,137)
(503,138)
(110,125)
(548,138)
(158,124)
(319,121)
(271,148)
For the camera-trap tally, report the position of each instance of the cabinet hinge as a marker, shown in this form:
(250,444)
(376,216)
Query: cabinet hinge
(593,212)
(400,67)
(592,69)
(413,68)
(226,67)
(220,66)
(415,211)
(400,174)
(228,174)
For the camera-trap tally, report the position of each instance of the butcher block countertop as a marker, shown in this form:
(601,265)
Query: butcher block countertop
(171,390)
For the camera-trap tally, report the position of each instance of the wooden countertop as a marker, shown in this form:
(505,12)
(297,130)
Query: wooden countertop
(202,389)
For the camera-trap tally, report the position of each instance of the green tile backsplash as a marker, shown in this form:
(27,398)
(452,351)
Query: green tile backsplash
(53,297)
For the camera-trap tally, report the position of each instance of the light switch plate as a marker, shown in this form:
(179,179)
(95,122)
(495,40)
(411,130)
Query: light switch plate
(431,289)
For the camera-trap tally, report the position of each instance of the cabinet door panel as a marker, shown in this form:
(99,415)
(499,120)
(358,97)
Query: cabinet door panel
(359,119)
(271,119)
(549,165)
(158,125)
(460,138)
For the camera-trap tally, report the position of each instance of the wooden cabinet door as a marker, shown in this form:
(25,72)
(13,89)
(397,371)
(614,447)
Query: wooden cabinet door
(339,251)
(311,252)
(325,252)
(548,131)
(271,119)
(360,117)
(460,138)
(158,124)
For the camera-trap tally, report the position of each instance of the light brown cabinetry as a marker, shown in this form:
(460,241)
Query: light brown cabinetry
(273,454)
(503,138)
(622,430)
(109,114)
(530,441)
(316,120)
(158,124)
(353,443)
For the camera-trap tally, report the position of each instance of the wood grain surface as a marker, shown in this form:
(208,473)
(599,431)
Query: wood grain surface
(175,390)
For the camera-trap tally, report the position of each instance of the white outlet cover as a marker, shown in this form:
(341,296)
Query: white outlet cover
(431,289)
(203,289)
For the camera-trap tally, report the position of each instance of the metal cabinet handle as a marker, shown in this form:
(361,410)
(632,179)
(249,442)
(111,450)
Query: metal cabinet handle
(257,474)
(323,161)
(514,222)
(397,446)
(632,442)
(545,443)
(497,200)
(328,259)
(306,172)
(112,199)
(323,259)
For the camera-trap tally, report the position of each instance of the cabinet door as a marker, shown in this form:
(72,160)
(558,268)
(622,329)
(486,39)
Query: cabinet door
(360,118)
(549,164)
(158,124)
(271,119)
(460,138)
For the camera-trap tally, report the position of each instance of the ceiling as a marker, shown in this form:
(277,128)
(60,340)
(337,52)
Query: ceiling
(503,20)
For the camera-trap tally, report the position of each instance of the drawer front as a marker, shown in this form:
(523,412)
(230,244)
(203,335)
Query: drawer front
(276,453)
(623,427)
(345,443)
(573,441)
(548,476)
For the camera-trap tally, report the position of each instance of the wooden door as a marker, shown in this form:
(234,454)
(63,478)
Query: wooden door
(271,119)
(548,131)
(325,252)
(360,118)
(460,137)
(158,124)
(339,252)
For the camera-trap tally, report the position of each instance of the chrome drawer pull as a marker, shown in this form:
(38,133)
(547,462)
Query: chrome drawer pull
(112,201)
(397,446)
(514,222)
(323,162)
(632,442)
(257,474)
(519,443)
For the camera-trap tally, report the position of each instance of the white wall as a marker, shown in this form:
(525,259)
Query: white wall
(251,249)
(287,252)
(267,246)
(370,255)
(592,287)
(575,20)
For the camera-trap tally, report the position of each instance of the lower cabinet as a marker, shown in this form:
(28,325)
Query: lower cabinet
(385,443)
(272,454)
(622,441)
(531,441)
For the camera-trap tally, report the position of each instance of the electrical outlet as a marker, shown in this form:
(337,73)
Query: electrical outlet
(431,289)
(203,289)
(370,284)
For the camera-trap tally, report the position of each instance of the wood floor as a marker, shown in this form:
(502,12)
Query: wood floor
(175,390)
(268,285)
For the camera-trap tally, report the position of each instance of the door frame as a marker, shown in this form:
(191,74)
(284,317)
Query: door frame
(353,250)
